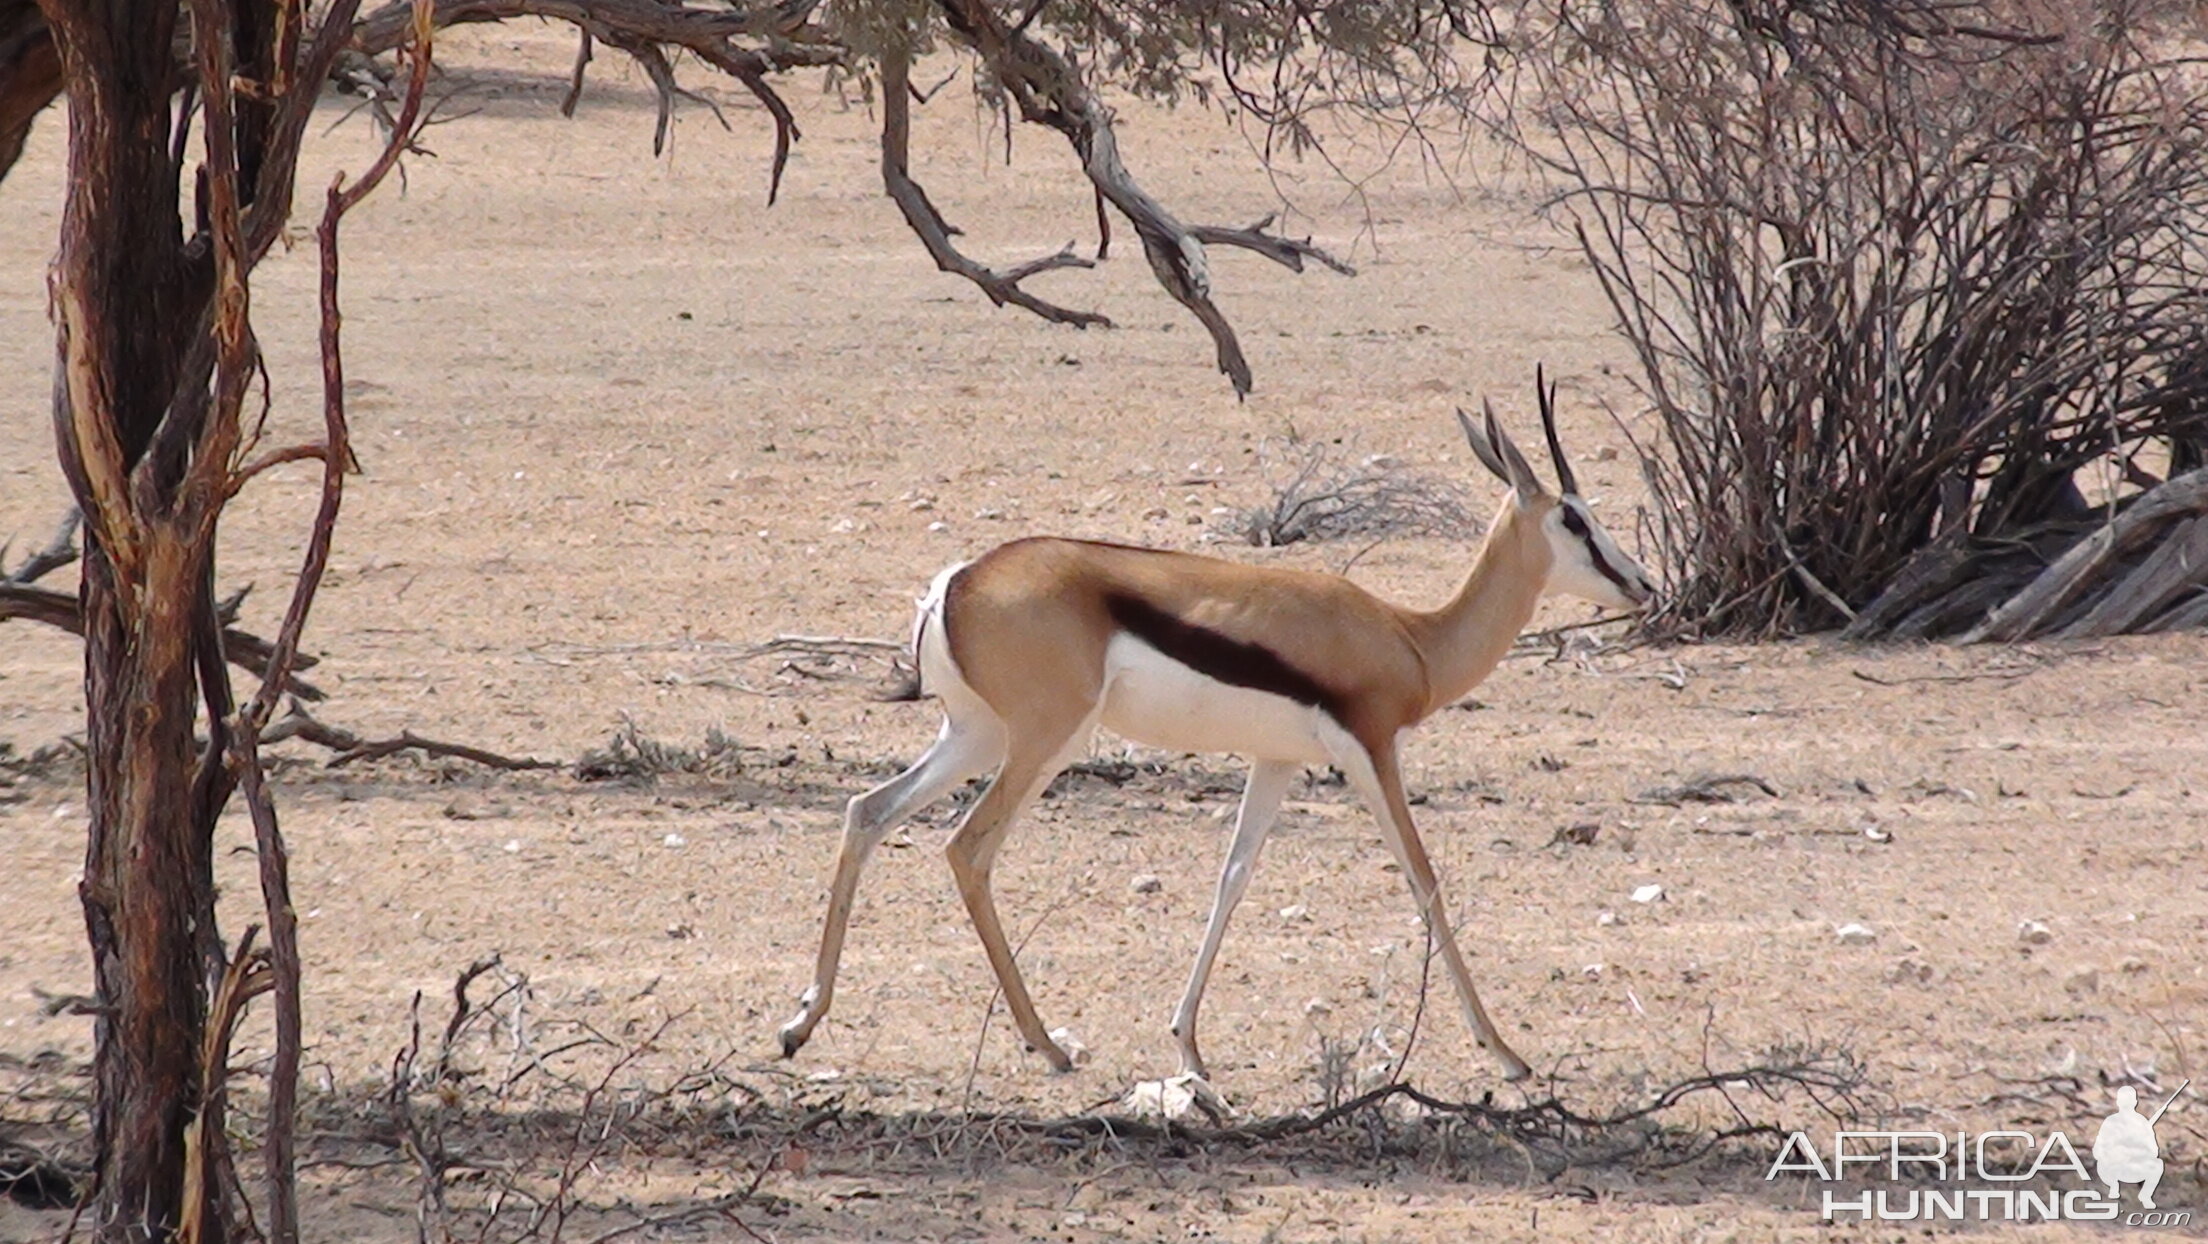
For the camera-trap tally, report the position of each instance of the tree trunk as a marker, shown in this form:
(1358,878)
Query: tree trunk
(128,297)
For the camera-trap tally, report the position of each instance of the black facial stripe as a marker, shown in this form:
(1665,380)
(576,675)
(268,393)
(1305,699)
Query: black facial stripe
(1578,527)
(1222,657)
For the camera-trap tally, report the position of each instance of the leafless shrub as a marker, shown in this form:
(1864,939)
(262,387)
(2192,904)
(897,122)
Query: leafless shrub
(1895,275)
(631,755)
(1317,495)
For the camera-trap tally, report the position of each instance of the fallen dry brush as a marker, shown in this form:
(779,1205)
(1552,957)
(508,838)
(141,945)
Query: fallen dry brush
(511,1123)
(1316,494)
(1919,294)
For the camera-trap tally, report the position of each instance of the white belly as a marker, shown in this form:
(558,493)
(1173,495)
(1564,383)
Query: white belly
(1151,698)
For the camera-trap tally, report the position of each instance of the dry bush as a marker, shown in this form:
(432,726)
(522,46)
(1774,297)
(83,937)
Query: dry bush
(1318,496)
(632,755)
(1896,274)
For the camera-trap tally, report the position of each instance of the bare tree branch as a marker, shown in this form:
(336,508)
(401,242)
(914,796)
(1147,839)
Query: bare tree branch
(243,649)
(935,233)
(1048,89)
(59,551)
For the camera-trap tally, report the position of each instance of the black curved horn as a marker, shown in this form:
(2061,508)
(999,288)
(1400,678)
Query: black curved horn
(1547,394)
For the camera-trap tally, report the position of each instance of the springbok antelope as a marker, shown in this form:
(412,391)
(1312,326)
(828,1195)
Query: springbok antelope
(1036,643)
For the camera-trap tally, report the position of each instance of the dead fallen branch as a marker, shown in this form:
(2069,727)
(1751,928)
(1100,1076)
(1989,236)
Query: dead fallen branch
(1983,676)
(2166,518)
(351,747)
(59,551)
(1711,789)
(1557,1136)
(247,651)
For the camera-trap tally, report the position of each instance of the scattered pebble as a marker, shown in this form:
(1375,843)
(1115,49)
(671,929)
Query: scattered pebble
(1295,912)
(1591,970)
(2033,933)
(513,846)
(1651,893)
(1875,834)
(1856,934)
(674,840)
(2082,981)
(939,525)
(1317,1006)
(1147,883)
(1909,972)
(1608,920)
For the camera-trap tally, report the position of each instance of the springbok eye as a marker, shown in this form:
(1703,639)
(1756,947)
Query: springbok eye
(1574,523)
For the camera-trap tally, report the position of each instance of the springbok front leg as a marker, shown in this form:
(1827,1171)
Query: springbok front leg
(1374,772)
(961,751)
(1261,798)
(1034,757)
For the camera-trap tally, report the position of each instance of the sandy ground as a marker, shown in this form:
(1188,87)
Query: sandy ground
(619,418)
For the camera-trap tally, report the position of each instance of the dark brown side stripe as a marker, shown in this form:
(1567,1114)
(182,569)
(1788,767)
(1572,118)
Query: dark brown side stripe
(1229,660)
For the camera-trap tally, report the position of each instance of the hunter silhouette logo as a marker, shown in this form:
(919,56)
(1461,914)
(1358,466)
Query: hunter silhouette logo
(2005,1175)
(2124,1151)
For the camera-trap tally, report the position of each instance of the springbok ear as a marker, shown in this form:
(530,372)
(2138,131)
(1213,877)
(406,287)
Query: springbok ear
(1516,469)
(1482,448)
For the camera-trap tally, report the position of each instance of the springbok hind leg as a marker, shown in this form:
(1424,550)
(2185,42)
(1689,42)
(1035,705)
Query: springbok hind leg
(1033,759)
(957,754)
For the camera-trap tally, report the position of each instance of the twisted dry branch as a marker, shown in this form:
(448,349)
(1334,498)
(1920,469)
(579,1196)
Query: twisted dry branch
(935,233)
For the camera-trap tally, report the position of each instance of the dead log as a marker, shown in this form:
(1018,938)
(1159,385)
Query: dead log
(2039,605)
(2178,563)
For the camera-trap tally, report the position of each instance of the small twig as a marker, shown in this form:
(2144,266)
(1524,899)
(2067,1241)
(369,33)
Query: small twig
(1992,675)
(59,551)
(1703,790)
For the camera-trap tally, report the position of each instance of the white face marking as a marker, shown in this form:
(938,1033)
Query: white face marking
(1581,550)
(1151,698)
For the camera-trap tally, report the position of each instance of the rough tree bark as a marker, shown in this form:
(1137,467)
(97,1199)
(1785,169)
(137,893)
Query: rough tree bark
(123,283)
(155,356)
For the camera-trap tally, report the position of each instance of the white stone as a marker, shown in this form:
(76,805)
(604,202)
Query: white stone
(1855,934)
(1072,1045)
(2033,933)
(1650,893)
